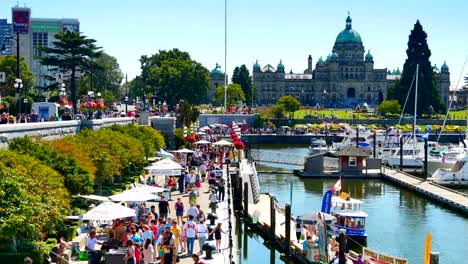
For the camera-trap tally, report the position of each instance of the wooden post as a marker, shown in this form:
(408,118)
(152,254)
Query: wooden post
(434,258)
(288,230)
(238,202)
(272,218)
(342,247)
(246,199)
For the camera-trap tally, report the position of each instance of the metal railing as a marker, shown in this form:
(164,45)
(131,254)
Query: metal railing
(255,185)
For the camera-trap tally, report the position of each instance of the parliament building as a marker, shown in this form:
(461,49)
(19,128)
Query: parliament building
(345,79)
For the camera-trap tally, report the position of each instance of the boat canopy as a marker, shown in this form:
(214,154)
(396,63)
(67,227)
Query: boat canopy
(350,213)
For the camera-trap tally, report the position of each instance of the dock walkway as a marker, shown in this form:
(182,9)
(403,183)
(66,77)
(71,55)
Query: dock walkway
(451,198)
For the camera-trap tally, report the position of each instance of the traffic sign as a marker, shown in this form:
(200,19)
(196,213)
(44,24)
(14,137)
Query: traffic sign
(2,77)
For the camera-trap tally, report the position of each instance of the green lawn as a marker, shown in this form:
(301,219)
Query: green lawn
(341,113)
(346,114)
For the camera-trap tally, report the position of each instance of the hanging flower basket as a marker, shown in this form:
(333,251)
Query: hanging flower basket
(62,101)
(100,105)
(190,138)
(238,144)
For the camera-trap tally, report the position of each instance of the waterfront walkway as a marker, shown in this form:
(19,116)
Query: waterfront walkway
(222,214)
(454,199)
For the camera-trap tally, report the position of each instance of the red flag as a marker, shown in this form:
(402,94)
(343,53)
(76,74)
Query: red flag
(337,186)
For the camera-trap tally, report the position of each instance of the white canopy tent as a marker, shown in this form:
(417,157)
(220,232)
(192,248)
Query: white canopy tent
(184,150)
(164,167)
(202,142)
(108,211)
(164,154)
(133,195)
(222,142)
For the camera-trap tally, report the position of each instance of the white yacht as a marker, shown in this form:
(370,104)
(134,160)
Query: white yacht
(413,154)
(318,146)
(455,177)
(444,158)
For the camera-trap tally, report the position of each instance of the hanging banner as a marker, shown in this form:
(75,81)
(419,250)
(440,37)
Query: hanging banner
(374,257)
(427,249)
(20,18)
(326,202)
(323,241)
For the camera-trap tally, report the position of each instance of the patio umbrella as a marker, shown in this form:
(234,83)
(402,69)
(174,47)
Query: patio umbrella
(204,128)
(184,150)
(222,142)
(311,218)
(133,195)
(164,154)
(108,211)
(203,142)
(149,189)
(165,167)
(94,197)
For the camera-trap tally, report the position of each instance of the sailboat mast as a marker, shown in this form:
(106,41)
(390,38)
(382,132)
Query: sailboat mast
(415,141)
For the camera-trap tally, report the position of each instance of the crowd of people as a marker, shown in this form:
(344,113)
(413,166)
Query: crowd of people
(163,233)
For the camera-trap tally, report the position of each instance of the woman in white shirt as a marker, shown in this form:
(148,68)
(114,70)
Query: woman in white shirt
(202,232)
(148,252)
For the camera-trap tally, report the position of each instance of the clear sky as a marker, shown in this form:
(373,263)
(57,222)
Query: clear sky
(264,30)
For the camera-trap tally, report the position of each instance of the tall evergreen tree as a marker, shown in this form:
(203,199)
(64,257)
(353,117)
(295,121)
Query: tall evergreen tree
(70,53)
(241,75)
(418,52)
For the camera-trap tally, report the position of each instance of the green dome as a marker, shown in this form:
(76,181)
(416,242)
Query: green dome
(217,70)
(334,56)
(256,65)
(444,67)
(320,60)
(328,58)
(369,56)
(397,72)
(436,69)
(348,34)
(280,65)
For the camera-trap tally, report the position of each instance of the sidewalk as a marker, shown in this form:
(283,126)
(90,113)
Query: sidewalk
(222,213)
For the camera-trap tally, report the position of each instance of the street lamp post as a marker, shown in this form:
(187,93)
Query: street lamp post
(18,85)
(126,95)
(25,101)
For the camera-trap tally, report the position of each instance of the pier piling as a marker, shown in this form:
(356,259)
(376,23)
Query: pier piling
(246,198)
(272,218)
(288,230)
(434,258)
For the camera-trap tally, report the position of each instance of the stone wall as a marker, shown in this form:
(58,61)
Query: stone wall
(165,125)
(57,129)
(210,119)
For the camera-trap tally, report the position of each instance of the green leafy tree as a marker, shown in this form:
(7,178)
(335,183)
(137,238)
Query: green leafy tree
(234,94)
(8,65)
(242,77)
(278,111)
(105,75)
(175,76)
(187,113)
(289,103)
(77,180)
(154,140)
(389,107)
(418,52)
(33,198)
(70,53)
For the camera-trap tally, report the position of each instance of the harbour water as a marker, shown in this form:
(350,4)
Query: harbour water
(398,219)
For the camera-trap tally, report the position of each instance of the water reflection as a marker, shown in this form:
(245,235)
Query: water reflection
(398,219)
(252,248)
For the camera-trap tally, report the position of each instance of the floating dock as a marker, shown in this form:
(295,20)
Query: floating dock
(448,197)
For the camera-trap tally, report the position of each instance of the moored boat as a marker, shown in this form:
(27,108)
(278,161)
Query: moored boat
(455,177)
(350,218)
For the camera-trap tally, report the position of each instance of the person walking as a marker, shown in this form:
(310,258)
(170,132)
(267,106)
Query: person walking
(176,231)
(130,257)
(163,208)
(183,238)
(217,234)
(299,229)
(191,231)
(148,252)
(221,190)
(179,208)
(180,182)
(213,201)
(202,232)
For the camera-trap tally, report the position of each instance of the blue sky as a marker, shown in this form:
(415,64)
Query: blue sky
(264,30)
